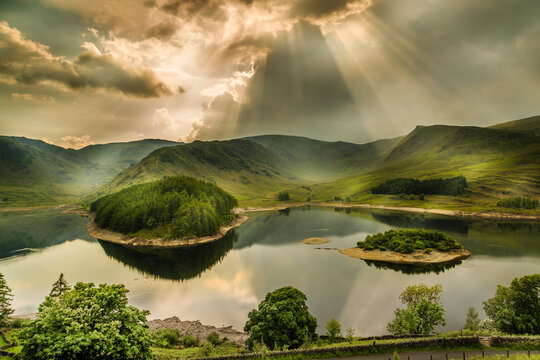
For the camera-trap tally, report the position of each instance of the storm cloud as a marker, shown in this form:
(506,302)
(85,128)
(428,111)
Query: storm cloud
(28,62)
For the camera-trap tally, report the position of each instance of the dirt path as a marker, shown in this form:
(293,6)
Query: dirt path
(484,215)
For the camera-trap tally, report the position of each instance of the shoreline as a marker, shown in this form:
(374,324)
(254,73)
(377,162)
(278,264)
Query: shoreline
(457,213)
(137,242)
(416,258)
(241,210)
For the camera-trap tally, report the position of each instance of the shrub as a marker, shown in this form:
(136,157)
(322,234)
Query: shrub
(190,341)
(518,203)
(166,338)
(213,338)
(283,196)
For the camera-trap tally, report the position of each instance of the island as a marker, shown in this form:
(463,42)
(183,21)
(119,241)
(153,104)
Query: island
(173,212)
(408,247)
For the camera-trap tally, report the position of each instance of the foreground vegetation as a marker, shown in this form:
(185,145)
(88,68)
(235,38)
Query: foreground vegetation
(408,240)
(173,207)
(86,322)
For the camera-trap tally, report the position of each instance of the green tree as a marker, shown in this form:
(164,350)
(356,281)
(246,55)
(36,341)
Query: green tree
(350,334)
(423,313)
(88,322)
(516,309)
(213,338)
(473,321)
(282,319)
(284,196)
(59,287)
(333,329)
(5,301)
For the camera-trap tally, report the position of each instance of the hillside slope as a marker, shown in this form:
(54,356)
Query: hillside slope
(35,172)
(496,163)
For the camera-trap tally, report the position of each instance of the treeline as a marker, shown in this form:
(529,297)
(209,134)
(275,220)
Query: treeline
(435,186)
(518,203)
(406,241)
(179,206)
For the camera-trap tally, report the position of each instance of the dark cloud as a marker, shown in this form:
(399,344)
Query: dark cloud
(317,8)
(162,31)
(28,62)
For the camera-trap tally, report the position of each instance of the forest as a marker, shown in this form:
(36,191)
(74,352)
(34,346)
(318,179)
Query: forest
(174,207)
(435,186)
(407,240)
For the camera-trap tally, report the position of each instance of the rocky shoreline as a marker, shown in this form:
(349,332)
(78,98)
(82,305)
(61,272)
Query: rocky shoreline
(198,329)
(416,258)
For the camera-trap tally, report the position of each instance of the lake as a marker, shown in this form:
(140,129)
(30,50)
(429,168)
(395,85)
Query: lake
(220,283)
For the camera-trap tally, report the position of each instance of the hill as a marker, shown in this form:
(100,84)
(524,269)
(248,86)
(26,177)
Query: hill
(496,163)
(254,168)
(315,160)
(34,172)
(530,125)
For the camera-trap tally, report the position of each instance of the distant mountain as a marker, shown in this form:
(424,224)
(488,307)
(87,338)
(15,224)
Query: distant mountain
(497,161)
(32,171)
(254,167)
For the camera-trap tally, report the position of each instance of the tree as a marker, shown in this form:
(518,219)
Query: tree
(333,328)
(166,338)
(423,314)
(473,321)
(350,334)
(282,319)
(284,196)
(59,287)
(516,309)
(5,301)
(88,322)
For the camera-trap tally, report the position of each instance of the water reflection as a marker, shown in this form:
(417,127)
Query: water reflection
(412,269)
(173,264)
(22,233)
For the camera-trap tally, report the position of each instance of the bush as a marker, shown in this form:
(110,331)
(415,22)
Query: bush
(213,338)
(282,319)
(88,322)
(190,341)
(518,203)
(166,338)
(407,240)
(283,196)
(178,206)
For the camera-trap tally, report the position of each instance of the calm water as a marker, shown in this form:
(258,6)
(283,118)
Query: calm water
(220,283)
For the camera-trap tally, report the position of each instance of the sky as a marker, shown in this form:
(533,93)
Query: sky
(75,72)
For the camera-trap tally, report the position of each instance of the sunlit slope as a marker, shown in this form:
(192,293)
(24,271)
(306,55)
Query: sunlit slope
(495,162)
(315,160)
(34,172)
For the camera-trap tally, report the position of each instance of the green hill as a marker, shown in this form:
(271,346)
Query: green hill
(529,125)
(34,172)
(497,163)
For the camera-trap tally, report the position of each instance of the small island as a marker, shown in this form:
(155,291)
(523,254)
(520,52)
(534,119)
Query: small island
(316,241)
(408,247)
(176,211)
